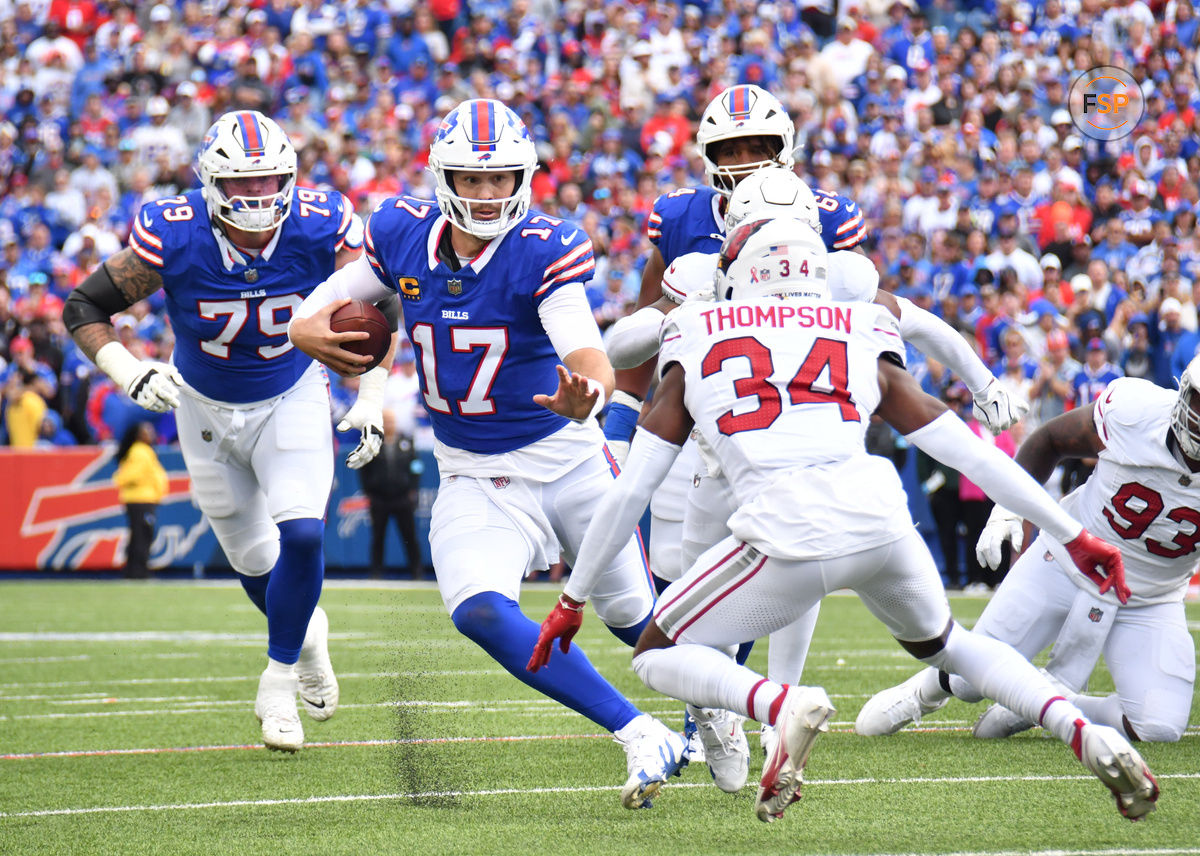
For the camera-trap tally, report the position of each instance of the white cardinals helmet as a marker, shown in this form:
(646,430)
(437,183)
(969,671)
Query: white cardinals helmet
(781,257)
(773,191)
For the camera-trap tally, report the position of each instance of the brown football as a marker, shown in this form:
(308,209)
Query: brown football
(358,316)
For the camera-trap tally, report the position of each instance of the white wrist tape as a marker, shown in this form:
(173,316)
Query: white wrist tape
(598,388)
(115,361)
(630,401)
(617,515)
(371,386)
(949,440)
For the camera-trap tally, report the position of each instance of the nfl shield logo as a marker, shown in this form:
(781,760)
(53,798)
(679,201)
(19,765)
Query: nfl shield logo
(1095,614)
(206,435)
(251,275)
(454,286)
(500,482)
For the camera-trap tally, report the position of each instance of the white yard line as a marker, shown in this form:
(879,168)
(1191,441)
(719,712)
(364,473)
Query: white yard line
(342,798)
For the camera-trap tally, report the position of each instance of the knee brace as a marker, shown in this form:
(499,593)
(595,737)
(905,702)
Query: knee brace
(254,560)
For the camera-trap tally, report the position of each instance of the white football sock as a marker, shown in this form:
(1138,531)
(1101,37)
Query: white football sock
(1000,673)
(706,677)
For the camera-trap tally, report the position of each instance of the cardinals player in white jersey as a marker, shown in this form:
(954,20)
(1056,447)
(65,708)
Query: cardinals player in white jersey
(693,505)
(1141,498)
(781,383)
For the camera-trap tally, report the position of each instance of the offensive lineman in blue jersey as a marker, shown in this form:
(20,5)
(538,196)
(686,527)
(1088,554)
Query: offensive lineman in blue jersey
(235,259)
(493,301)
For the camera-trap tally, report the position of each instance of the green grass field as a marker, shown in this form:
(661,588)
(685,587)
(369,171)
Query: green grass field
(127,727)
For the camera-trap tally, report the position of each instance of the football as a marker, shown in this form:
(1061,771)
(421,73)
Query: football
(358,316)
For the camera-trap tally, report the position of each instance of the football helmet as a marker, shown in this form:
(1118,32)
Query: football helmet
(1185,421)
(772,192)
(782,257)
(690,276)
(244,144)
(483,135)
(744,111)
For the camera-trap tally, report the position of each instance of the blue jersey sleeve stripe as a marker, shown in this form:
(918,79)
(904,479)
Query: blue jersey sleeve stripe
(370,243)
(852,241)
(850,224)
(144,253)
(568,275)
(568,259)
(347,213)
(145,236)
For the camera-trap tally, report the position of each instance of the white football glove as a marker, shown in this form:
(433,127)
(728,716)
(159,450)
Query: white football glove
(367,416)
(152,385)
(1002,525)
(998,409)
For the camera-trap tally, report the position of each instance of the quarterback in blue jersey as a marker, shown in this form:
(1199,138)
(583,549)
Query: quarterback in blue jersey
(494,303)
(235,259)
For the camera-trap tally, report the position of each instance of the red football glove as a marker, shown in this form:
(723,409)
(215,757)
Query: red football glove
(1088,552)
(562,624)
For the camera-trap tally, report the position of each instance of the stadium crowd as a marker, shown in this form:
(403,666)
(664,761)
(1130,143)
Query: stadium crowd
(1067,261)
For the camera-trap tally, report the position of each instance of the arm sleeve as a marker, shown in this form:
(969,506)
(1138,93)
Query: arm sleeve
(567,318)
(948,439)
(356,281)
(937,339)
(617,515)
(633,339)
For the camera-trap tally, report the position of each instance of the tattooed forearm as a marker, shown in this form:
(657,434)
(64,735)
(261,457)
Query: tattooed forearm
(134,278)
(135,281)
(92,337)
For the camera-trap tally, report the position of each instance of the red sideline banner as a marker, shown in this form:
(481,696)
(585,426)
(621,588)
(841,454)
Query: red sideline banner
(59,511)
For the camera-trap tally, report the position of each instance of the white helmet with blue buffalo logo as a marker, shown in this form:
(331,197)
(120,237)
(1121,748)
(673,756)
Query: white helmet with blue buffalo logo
(744,111)
(483,135)
(246,144)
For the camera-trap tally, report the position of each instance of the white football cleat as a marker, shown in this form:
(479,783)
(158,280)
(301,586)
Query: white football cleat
(998,722)
(1119,766)
(653,753)
(695,746)
(726,749)
(805,714)
(275,707)
(889,710)
(318,684)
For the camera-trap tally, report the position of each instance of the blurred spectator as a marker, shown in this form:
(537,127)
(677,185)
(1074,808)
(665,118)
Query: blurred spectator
(391,483)
(1096,374)
(157,138)
(28,385)
(1052,391)
(141,485)
(189,115)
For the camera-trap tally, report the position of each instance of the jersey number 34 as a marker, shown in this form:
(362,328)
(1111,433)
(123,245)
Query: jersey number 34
(801,389)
